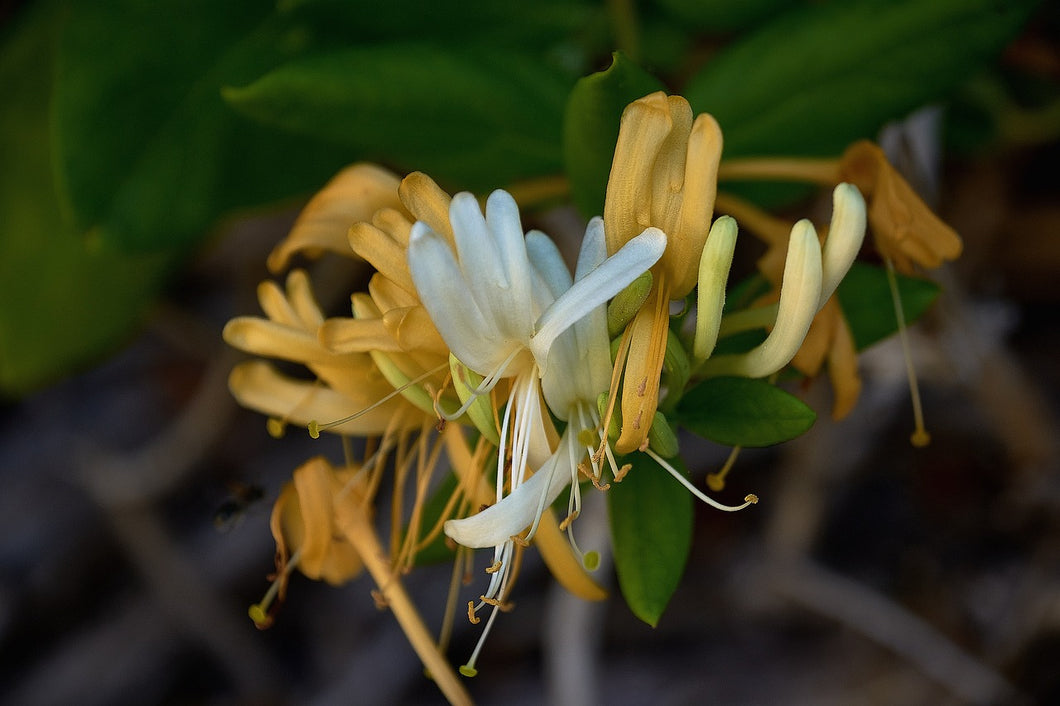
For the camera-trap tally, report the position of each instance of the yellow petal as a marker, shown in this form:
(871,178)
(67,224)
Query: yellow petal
(414,331)
(274,340)
(843,370)
(384,253)
(303,519)
(344,335)
(427,202)
(353,195)
(303,302)
(257,385)
(640,392)
(627,206)
(818,342)
(275,305)
(905,229)
(698,191)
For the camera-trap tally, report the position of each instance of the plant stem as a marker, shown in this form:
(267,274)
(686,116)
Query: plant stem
(361,535)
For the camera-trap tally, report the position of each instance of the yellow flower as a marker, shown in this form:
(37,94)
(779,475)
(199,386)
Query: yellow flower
(907,232)
(664,175)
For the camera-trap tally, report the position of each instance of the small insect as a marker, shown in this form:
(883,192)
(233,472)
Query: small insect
(232,512)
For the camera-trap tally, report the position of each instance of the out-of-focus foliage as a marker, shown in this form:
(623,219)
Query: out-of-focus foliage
(65,296)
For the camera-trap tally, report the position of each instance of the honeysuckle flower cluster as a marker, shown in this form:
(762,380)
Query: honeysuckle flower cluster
(474,351)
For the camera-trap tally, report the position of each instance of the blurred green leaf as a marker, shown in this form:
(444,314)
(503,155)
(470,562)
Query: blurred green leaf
(147,153)
(477,116)
(813,81)
(726,15)
(63,301)
(651,531)
(507,22)
(590,127)
(743,412)
(867,305)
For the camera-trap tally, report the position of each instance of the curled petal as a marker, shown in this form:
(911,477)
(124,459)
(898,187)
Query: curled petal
(353,195)
(845,235)
(799,294)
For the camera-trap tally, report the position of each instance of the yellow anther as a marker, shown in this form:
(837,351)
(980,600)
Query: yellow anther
(751,498)
(622,472)
(567,520)
(276,427)
(472,618)
(495,567)
(314,429)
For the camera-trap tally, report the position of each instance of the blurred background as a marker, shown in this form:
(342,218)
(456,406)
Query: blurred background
(135,494)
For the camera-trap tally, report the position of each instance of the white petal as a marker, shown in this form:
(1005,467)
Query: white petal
(845,235)
(445,295)
(594,248)
(502,218)
(549,263)
(496,524)
(605,281)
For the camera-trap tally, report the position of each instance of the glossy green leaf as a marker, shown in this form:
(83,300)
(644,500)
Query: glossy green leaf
(147,152)
(479,117)
(64,301)
(590,127)
(651,531)
(813,81)
(869,308)
(743,412)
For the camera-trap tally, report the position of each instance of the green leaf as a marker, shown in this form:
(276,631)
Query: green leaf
(651,532)
(504,22)
(868,307)
(725,15)
(811,82)
(590,127)
(743,412)
(476,116)
(148,155)
(63,301)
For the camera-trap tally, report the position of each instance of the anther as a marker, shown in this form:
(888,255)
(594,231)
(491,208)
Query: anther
(474,620)
(495,567)
(276,427)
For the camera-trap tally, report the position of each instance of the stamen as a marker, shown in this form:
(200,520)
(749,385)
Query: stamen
(494,568)
(920,436)
(750,499)
(716,481)
(259,612)
(315,427)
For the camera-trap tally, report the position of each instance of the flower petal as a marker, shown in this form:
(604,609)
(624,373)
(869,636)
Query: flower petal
(497,523)
(603,282)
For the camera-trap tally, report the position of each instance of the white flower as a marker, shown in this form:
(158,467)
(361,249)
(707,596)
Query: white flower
(507,308)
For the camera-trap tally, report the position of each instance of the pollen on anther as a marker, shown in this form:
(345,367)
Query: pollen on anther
(751,498)
(472,618)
